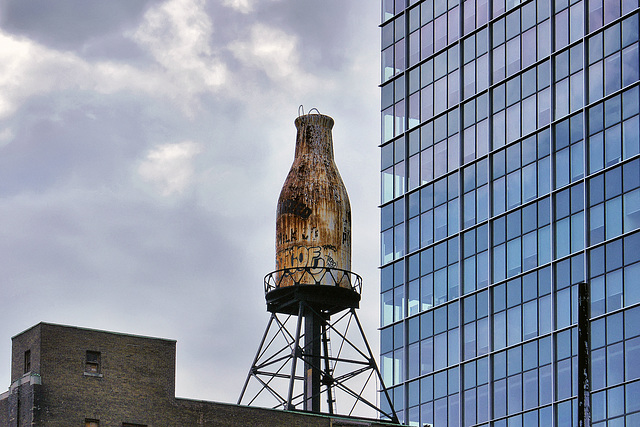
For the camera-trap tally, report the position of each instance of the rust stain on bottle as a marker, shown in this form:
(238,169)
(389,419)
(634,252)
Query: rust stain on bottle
(313,219)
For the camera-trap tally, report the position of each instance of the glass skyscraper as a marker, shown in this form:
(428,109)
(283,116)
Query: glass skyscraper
(510,166)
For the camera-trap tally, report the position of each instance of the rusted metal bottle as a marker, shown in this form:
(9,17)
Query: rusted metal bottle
(313,220)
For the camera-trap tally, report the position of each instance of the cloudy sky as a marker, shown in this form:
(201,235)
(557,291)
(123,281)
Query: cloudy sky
(143,145)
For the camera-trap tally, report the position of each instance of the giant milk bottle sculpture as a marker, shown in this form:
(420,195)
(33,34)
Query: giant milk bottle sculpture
(313,220)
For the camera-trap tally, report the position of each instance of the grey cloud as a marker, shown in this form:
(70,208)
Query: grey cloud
(64,136)
(85,240)
(68,24)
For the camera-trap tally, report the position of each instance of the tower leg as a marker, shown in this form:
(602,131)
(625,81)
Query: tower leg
(255,359)
(393,416)
(295,351)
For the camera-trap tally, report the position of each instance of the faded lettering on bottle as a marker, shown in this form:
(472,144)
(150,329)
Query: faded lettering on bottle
(295,207)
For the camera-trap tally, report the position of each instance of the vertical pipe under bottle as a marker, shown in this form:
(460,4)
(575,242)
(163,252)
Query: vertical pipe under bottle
(312,351)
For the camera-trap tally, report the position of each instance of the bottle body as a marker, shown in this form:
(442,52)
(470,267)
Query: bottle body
(313,219)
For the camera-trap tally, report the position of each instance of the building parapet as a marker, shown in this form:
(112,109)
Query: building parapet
(27,378)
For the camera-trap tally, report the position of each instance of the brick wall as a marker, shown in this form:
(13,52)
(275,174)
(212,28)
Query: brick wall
(18,406)
(136,377)
(27,340)
(4,409)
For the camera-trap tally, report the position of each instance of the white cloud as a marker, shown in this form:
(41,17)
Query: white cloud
(275,53)
(30,69)
(21,74)
(243,6)
(6,135)
(169,167)
(177,34)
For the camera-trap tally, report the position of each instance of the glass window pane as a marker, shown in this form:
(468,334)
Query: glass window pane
(514,322)
(631,137)
(500,398)
(515,393)
(615,366)
(632,359)
(613,219)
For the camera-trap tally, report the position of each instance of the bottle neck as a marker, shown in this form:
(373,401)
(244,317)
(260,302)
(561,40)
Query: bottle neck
(314,136)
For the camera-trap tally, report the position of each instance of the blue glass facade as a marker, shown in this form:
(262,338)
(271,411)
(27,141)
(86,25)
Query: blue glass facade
(510,168)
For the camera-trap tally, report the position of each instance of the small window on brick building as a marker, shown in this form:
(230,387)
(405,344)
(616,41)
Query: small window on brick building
(91,423)
(133,425)
(27,361)
(92,364)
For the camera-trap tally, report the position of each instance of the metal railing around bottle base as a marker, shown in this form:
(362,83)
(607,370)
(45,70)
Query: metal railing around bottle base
(310,276)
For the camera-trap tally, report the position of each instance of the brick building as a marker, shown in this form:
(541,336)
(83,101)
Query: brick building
(70,376)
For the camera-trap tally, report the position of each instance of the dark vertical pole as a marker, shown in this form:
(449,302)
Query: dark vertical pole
(312,349)
(584,355)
